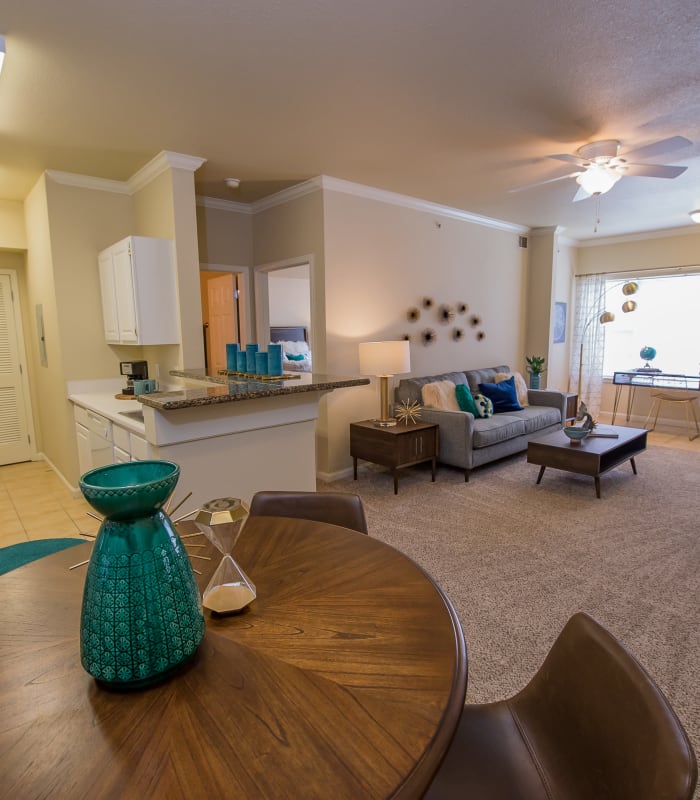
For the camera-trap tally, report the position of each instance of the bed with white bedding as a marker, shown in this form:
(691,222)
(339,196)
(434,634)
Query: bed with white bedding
(296,353)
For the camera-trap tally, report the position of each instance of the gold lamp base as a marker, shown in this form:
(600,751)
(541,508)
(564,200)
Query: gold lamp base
(385,421)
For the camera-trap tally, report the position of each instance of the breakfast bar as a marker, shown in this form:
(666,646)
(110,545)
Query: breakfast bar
(230,436)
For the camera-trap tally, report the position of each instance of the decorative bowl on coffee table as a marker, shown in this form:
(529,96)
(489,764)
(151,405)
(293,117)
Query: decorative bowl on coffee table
(576,434)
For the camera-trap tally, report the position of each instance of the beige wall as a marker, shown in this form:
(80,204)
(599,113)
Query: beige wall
(12,229)
(225,237)
(381,259)
(66,228)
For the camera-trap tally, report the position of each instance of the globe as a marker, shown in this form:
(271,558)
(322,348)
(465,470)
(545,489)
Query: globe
(647,353)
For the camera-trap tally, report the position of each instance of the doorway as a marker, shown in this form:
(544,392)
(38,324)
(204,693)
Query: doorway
(15,408)
(284,298)
(224,317)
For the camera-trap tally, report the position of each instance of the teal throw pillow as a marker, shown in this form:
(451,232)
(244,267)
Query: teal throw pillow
(465,400)
(483,405)
(502,395)
(292,357)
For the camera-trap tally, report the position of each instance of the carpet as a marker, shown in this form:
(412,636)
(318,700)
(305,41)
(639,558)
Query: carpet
(517,560)
(17,555)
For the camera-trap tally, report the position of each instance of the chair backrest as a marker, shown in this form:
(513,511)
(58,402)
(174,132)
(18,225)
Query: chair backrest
(336,508)
(599,725)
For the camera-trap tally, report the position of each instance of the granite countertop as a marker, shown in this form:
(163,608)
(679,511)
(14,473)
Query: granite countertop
(230,388)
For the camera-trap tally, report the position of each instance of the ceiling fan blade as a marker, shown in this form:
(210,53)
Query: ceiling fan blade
(582,194)
(658,148)
(571,159)
(653,170)
(542,183)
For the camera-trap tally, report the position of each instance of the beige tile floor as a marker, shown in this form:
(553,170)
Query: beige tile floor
(36,504)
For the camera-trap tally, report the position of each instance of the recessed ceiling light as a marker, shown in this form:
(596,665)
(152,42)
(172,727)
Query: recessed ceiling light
(232,183)
(695,215)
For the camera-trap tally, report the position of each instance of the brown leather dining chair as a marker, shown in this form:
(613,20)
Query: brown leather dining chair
(590,725)
(336,508)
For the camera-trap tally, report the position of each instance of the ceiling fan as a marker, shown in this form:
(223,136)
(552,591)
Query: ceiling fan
(601,166)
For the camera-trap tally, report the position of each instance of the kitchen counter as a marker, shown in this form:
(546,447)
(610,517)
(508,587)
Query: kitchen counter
(229,388)
(231,437)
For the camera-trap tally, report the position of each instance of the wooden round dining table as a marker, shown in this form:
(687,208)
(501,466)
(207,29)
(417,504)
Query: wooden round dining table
(344,678)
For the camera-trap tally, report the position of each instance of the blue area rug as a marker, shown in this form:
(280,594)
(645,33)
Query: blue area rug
(17,555)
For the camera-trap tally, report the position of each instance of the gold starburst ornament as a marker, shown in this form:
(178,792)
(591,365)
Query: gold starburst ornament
(408,411)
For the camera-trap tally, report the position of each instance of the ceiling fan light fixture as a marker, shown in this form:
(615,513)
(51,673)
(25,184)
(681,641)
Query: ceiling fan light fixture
(598,179)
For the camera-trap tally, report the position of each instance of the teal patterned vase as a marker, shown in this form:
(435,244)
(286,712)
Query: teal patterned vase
(142,612)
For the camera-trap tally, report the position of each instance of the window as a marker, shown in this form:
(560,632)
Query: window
(666,318)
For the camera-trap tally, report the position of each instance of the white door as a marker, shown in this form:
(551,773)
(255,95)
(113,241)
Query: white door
(15,413)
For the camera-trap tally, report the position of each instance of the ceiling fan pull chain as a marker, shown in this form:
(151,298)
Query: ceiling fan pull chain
(597,212)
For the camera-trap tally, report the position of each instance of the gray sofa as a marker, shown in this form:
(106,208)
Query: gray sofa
(467,442)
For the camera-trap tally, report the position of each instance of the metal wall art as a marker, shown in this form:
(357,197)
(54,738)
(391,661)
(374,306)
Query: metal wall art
(446,315)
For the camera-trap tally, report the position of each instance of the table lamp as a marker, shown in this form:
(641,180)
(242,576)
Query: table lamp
(383,360)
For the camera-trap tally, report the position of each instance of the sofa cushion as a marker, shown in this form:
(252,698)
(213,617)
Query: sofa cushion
(486,375)
(502,395)
(409,389)
(440,394)
(465,399)
(520,385)
(535,418)
(496,429)
(484,406)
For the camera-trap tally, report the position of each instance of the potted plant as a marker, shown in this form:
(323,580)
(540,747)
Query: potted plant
(535,366)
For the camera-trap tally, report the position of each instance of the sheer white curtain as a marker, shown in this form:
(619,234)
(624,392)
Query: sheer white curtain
(590,298)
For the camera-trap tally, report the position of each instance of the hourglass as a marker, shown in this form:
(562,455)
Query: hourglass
(229,589)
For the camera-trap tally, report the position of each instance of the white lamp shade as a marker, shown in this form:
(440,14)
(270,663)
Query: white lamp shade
(598,179)
(385,358)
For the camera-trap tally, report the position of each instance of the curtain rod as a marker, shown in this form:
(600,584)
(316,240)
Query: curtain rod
(639,272)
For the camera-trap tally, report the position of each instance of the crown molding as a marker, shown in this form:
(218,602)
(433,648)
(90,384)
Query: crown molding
(224,205)
(684,230)
(287,195)
(88,182)
(406,201)
(166,159)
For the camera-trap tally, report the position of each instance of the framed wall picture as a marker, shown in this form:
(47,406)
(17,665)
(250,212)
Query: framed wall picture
(559,323)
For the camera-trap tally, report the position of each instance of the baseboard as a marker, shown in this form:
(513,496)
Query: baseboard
(329,477)
(663,424)
(74,490)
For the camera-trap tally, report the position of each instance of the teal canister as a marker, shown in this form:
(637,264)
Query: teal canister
(142,613)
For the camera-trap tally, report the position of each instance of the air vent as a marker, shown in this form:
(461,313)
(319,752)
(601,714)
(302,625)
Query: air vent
(522,242)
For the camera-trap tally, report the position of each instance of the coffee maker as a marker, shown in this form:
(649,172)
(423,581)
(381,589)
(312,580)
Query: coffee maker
(134,371)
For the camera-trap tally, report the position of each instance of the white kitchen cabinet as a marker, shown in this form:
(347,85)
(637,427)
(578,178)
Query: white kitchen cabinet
(139,292)
(84,451)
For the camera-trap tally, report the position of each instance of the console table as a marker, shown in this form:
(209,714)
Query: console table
(649,379)
(344,679)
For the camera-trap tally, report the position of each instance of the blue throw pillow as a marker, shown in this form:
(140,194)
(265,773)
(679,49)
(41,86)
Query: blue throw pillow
(502,395)
(465,400)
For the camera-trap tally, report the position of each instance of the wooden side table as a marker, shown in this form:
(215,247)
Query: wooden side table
(396,447)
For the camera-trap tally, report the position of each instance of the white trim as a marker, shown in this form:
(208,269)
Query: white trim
(383,196)
(88,182)
(224,205)
(368,192)
(684,230)
(287,195)
(157,165)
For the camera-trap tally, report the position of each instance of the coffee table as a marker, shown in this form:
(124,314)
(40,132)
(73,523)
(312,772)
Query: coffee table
(593,456)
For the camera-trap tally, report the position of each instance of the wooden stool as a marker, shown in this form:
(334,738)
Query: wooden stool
(688,398)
